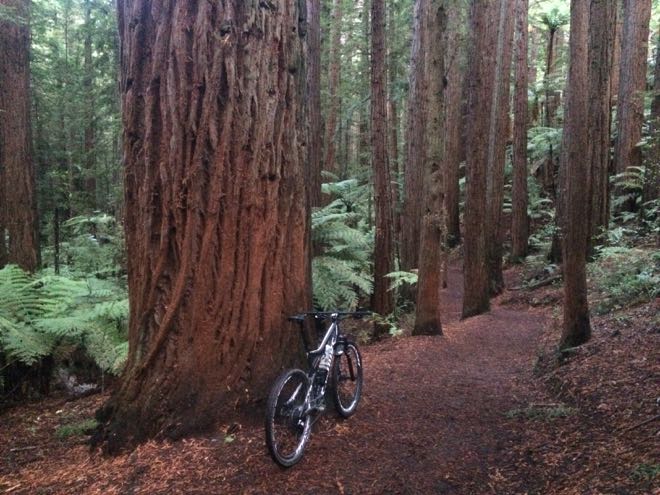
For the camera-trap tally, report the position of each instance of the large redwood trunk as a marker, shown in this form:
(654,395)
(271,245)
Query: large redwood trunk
(383,303)
(18,198)
(576,327)
(602,28)
(315,142)
(499,132)
(453,128)
(415,143)
(480,80)
(432,244)
(519,218)
(334,98)
(632,83)
(216,211)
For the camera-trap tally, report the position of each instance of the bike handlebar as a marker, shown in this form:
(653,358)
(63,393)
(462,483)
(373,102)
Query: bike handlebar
(300,317)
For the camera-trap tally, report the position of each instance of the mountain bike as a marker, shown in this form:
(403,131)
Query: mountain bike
(298,398)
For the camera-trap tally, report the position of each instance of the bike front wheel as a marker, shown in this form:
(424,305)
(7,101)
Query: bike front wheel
(347,380)
(288,425)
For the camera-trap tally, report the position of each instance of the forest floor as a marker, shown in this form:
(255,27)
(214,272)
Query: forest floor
(487,408)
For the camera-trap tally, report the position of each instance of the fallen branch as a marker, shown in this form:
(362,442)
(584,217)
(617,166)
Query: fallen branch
(540,283)
(642,423)
(20,449)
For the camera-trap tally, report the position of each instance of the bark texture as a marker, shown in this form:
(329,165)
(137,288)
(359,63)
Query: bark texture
(334,73)
(632,83)
(18,198)
(602,28)
(382,303)
(576,328)
(216,211)
(519,218)
(453,128)
(415,143)
(498,135)
(315,146)
(432,244)
(480,78)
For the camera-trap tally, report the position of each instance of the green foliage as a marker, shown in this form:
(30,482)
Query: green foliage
(342,271)
(541,141)
(645,472)
(623,276)
(84,427)
(399,279)
(50,314)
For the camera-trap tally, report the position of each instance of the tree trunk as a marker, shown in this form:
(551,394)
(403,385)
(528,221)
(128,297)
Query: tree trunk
(632,83)
(602,26)
(616,55)
(89,153)
(216,211)
(315,142)
(415,143)
(498,134)
(334,98)
(519,218)
(481,77)
(652,183)
(454,68)
(18,196)
(383,303)
(576,327)
(432,244)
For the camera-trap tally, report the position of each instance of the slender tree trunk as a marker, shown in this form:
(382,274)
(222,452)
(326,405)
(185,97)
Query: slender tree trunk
(432,244)
(18,196)
(334,98)
(652,183)
(519,218)
(89,153)
(415,143)
(616,55)
(602,26)
(480,77)
(383,303)
(632,83)
(315,146)
(576,327)
(499,132)
(393,120)
(216,209)
(454,68)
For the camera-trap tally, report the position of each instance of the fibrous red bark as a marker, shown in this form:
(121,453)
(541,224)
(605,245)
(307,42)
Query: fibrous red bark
(18,200)
(216,210)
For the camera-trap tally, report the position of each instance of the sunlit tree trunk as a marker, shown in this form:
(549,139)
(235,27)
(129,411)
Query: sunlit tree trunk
(519,218)
(432,244)
(602,27)
(334,98)
(480,79)
(576,327)
(383,303)
(315,145)
(18,197)
(632,83)
(498,134)
(216,210)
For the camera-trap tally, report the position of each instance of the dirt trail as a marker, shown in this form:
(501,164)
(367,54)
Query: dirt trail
(432,421)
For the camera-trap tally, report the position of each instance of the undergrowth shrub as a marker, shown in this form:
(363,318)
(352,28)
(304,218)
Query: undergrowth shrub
(623,276)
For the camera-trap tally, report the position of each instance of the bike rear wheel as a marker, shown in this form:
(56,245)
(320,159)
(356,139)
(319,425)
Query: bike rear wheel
(288,426)
(347,380)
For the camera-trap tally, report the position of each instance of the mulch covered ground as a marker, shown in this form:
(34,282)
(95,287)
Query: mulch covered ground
(472,412)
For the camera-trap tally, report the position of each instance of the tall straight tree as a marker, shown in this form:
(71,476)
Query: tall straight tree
(480,78)
(216,212)
(652,184)
(415,142)
(498,135)
(602,29)
(18,199)
(519,200)
(455,71)
(334,98)
(432,245)
(632,83)
(315,142)
(575,172)
(383,302)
